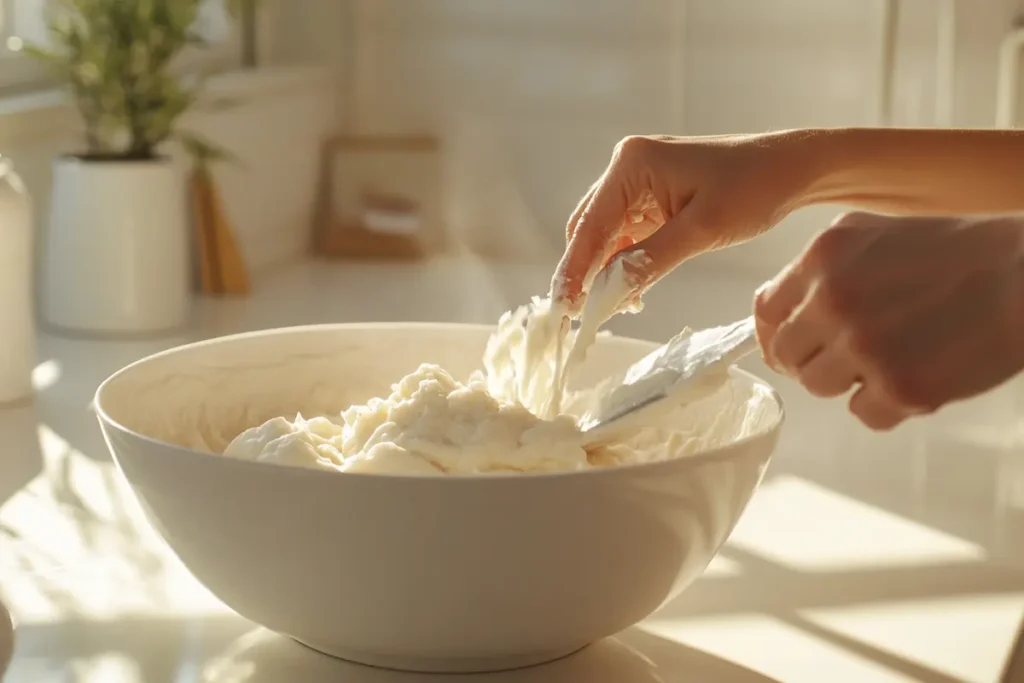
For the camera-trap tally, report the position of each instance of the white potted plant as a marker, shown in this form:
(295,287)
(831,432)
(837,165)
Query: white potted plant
(116,258)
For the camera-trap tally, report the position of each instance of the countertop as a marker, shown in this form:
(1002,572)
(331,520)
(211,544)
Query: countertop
(862,557)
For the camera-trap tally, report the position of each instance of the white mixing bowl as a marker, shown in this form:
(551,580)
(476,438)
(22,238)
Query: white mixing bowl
(431,574)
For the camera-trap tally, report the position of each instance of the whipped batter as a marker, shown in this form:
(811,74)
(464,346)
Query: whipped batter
(430,424)
(514,416)
(613,291)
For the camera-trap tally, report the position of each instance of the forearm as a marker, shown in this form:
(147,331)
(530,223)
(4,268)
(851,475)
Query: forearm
(912,171)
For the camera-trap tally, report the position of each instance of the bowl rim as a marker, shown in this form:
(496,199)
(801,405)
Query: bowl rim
(723,452)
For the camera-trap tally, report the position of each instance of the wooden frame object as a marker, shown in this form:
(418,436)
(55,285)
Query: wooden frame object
(342,236)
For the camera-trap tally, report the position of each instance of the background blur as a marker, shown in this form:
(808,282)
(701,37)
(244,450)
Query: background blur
(878,557)
(529,97)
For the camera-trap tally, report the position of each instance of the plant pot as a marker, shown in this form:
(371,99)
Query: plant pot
(117,251)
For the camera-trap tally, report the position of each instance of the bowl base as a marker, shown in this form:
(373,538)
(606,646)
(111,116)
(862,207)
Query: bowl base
(442,665)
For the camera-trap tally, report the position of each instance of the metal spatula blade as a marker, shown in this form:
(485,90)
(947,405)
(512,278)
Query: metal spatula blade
(690,366)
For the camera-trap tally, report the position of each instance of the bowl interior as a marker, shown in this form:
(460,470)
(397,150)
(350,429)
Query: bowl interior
(202,395)
(589,555)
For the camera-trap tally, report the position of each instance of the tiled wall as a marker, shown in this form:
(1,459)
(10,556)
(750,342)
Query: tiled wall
(531,95)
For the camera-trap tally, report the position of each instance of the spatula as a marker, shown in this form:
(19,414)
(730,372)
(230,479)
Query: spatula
(690,366)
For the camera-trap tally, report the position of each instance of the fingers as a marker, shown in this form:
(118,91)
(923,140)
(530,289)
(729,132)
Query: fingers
(872,406)
(831,372)
(677,240)
(659,250)
(774,303)
(803,335)
(574,219)
(805,332)
(808,347)
(796,342)
(593,239)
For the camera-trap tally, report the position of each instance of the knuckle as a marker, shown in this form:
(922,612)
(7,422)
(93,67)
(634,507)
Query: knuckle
(830,245)
(838,296)
(825,385)
(873,415)
(761,303)
(879,423)
(852,219)
(817,388)
(631,147)
(836,242)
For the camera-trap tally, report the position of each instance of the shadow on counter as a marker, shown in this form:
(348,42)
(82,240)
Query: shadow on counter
(634,656)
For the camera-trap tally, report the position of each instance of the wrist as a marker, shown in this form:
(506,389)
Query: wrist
(913,171)
(882,169)
(800,162)
(837,165)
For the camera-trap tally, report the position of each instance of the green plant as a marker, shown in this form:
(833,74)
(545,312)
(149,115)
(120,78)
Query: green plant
(116,56)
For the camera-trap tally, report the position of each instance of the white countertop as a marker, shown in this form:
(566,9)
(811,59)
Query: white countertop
(862,558)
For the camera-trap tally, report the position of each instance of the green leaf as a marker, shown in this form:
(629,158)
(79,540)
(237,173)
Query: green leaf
(116,55)
(48,57)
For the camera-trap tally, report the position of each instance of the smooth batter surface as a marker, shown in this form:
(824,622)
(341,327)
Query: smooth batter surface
(514,416)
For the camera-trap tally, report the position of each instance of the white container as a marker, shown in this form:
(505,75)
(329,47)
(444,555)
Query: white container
(450,573)
(117,250)
(17,321)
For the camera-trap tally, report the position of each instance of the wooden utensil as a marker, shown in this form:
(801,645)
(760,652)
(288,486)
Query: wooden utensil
(222,269)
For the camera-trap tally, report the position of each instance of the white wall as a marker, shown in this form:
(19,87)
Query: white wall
(273,121)
(531,95)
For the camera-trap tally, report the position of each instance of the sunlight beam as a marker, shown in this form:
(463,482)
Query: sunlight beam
(801,525)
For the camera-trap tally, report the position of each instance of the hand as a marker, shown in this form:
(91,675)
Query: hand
(674,198)
(918,311)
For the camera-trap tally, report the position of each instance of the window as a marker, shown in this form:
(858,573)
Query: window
(24,21)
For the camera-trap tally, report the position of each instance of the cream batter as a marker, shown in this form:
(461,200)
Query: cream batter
(514,416)
(430,424)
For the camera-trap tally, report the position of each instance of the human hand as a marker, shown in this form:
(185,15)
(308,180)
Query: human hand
(918,311)
(674,198)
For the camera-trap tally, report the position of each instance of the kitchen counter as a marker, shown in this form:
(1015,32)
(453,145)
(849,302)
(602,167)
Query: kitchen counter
(863,557)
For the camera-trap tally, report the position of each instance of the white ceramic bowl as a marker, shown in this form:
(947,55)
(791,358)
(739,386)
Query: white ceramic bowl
(430,574)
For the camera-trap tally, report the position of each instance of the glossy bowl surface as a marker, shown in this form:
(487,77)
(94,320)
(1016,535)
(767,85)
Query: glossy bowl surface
(432,574)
